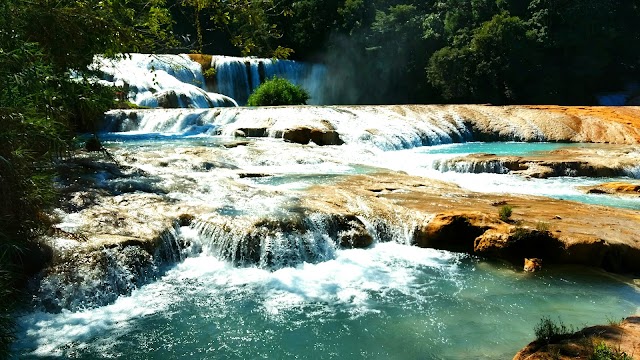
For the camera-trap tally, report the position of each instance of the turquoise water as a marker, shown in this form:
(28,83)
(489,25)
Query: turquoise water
(389,302)
(498,148)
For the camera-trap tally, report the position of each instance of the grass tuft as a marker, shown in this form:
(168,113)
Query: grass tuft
(505,213)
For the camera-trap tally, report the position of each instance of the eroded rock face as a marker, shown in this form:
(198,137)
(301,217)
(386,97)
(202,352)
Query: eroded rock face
(614,188)
(468,222)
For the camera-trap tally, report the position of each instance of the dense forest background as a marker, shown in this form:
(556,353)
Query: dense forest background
(411,51)
(460,51)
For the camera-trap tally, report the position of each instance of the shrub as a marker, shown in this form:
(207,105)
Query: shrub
(547,330)
(603,351)
(505,212)
(210,73)
(278,91)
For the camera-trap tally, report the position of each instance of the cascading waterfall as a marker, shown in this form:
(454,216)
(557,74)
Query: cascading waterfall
(259,255)
(91,279)
(176,81)
(238,77)
(385,128)
(159,81)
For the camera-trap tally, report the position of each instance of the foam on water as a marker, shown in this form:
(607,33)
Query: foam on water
(391,301)
(145,78)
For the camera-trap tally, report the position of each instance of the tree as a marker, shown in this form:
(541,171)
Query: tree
(249,25)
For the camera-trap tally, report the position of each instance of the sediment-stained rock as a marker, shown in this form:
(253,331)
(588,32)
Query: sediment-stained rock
(446,217)
(614,188)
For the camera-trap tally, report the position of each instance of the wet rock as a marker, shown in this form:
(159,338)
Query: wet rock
(454,232)
(326,137)
(305,135)
(532,265)
(185,219)
(518,243)
(298,135)
(254,132)
(353,233)
(168,99)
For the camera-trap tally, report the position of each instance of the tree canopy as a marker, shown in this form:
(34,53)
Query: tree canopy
(498,51)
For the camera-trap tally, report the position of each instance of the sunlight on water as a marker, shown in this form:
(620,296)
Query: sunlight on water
(392,301)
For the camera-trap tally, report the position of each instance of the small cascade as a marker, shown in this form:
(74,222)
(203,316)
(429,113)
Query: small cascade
(87,279)
(473,166)
(237,77)
(268,243)
(632,171)
(386,128)
(168,81)
(289,240)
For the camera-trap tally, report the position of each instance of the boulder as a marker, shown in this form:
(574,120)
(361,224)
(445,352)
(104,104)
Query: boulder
(300,135)
(168,99)
(532,265)
(353,233)
(304,135)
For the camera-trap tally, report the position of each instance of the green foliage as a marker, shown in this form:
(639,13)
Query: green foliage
(278,91)
(210,73)
(247,24)
(469,51)
(505,212)
(42,44)
(602,351)
(547,330)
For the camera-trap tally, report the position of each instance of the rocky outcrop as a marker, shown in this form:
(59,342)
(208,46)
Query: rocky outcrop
(168,100)
(614,188)
(589,161)
(449,218)
(622,338)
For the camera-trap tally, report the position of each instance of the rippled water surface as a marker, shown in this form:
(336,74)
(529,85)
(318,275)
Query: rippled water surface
(389,302)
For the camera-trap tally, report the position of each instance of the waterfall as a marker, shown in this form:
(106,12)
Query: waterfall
(470,166)
(278,241)
(632,171)
(237,77)
(82,280)
(386,128)
(167,81)
(176,81)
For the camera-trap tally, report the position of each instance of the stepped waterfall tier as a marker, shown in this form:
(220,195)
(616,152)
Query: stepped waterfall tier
(345,231)
(177,81)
